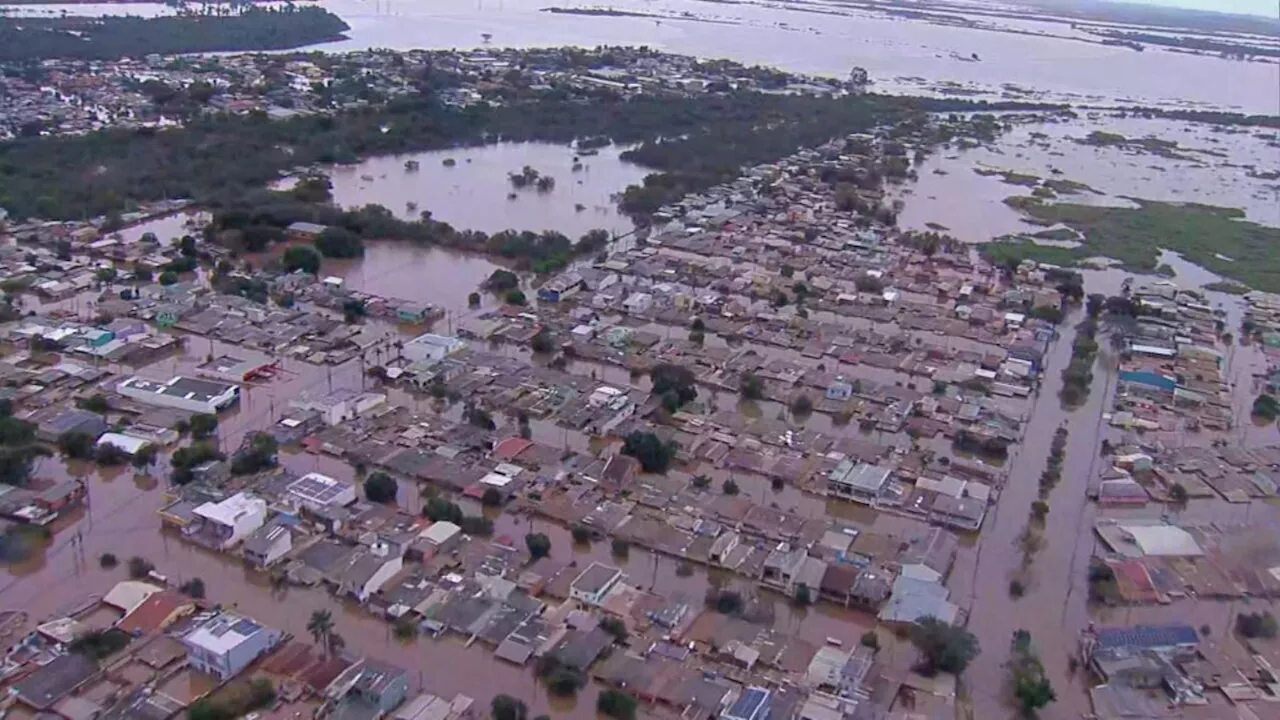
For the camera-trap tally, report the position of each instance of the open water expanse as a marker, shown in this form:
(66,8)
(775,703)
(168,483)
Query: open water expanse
(1028,58)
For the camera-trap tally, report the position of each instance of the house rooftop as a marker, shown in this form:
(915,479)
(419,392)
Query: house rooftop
(595,578)
(222,632)
(227,511)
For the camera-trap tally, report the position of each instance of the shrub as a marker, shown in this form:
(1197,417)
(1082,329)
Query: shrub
(140,567)
(1256,625)
(193,588)
(620,547)
(870,640)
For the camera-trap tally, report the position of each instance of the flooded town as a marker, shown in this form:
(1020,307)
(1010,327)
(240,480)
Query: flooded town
(551,383)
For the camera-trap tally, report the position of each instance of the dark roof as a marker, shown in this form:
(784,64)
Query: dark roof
(1147,636)
(49,684)
(376,677)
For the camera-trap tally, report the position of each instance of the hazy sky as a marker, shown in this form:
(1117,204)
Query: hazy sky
(1268,8)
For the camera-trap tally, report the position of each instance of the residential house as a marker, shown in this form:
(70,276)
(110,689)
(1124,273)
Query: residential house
(753,703)
(341,405)
(53,681)
(304,231)
(227,522)
(368,689)
(370,569)
(226,643)
(157,612)
(840,389)
(859,482)
(268,544)
(430,347)
(593,584)
(782,566)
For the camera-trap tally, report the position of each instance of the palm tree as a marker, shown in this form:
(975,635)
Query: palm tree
(321,627)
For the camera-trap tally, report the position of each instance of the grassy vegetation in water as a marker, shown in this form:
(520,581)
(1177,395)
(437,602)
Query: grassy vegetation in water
(1203,234)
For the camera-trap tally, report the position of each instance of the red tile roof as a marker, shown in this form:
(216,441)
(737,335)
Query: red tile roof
(511,447)
(155,612)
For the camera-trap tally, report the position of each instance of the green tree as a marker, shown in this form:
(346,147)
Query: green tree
(538,544)
(620,547)
(751,387)
(505,707)
(544,342)
(730,487)
(473,300)
(301,257)
(193,588)
(502,281)
(96,403)
(76,445)
(492,497)
(803,595)
(667,377)
(655,456)
(168,277)
(942,647)
(1030,686)
(320,625)
(203,426)
(615,627)
(516,297)
(339,242)
(802,405)
(870,639)
(616,704)
(140,567)
(380,487)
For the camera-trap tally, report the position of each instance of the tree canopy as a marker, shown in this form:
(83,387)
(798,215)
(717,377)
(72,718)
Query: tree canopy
(943,647)
(655,456)
(113,37)
(380,487)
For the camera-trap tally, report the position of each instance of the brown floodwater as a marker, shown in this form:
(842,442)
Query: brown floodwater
(120,517)
(475,193)
(1210,168)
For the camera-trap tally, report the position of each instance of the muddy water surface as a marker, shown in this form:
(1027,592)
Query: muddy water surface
(476,194)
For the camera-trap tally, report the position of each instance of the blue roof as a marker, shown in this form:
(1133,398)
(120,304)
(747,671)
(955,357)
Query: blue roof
(1147,636)
(751,704)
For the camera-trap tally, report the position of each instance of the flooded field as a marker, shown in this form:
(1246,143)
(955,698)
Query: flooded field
(964,191)
(474,193)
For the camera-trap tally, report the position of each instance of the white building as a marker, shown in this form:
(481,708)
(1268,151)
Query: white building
(315,491)
(227,643)
(229,521)
(638,303)
(431,347)
(340,406)
(184,393)
(594,583)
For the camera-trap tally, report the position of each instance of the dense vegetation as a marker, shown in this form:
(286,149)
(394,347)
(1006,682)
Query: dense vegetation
(109,38)
(1239,249)
(216,160)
